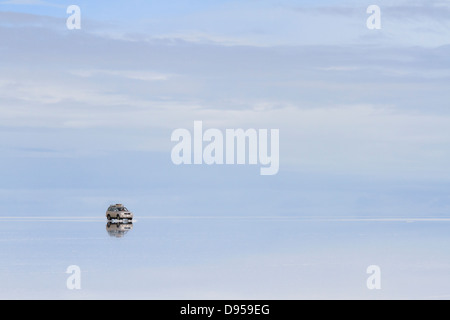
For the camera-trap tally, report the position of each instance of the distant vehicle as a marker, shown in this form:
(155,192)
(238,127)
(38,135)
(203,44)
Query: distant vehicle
(118,211)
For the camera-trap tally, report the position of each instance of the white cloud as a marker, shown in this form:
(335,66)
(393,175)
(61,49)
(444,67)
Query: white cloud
(127,74)
(339,68)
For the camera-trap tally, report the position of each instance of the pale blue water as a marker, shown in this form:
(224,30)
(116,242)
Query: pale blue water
(224,258)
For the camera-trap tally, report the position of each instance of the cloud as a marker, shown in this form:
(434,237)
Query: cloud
(430,10)
(339,108)
(127,74)
(207,38)
(30,3)
(20,19)
(340,68)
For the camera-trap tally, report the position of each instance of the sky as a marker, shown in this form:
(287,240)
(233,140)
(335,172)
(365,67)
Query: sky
(365,109)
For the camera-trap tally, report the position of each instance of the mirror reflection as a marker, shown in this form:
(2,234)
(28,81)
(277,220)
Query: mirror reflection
(118,229)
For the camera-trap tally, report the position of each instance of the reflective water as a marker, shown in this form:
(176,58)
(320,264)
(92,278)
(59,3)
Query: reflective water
(223,258)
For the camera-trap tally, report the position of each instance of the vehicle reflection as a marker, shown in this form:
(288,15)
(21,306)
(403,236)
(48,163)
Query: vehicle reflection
(118,229)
